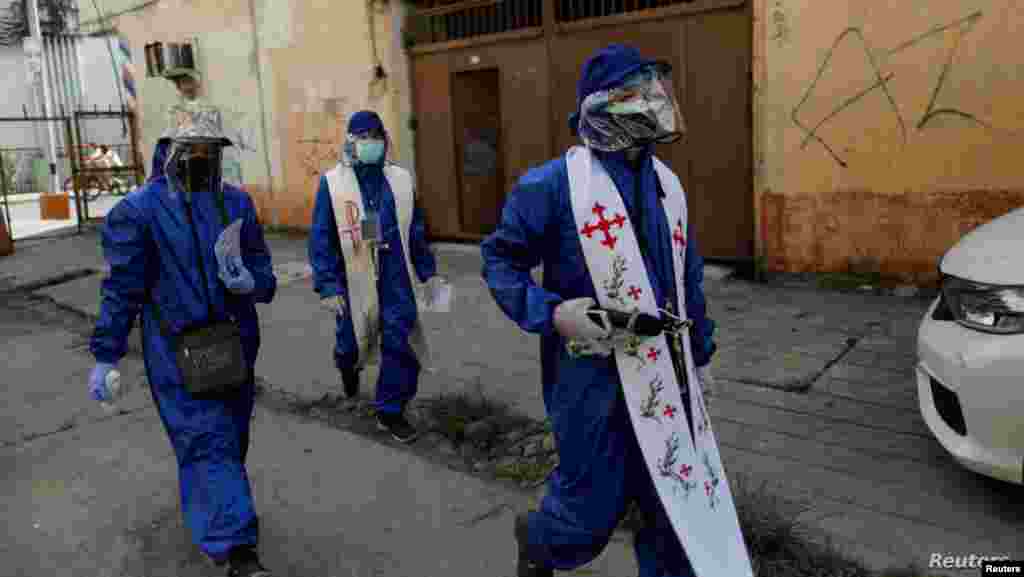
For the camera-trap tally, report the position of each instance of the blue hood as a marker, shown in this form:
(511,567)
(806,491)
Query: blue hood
(606,69)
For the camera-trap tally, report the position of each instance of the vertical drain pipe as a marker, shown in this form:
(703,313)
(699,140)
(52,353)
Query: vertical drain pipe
(275,220)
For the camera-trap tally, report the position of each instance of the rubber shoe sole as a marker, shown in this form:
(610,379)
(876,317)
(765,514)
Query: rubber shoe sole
(400,431)
(525,567)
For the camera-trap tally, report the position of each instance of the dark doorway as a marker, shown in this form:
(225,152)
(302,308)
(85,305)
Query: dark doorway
(476,106)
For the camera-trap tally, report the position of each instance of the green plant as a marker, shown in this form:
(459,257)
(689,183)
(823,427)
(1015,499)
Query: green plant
(848,280)
(760,268)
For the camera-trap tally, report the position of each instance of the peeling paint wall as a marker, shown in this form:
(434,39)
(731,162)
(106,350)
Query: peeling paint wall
(286,94)
(884,131)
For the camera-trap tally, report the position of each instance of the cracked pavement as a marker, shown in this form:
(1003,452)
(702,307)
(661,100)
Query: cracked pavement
(816,397)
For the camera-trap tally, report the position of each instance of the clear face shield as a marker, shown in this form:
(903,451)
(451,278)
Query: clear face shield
(195,166)
(639,112)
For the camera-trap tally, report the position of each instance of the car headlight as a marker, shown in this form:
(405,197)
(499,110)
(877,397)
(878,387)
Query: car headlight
(985,307)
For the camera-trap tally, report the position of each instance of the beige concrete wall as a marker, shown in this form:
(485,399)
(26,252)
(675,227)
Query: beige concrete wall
(323,72)
(884,131)
(286,85)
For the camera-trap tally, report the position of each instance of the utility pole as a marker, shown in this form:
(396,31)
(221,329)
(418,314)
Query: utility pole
(36,35)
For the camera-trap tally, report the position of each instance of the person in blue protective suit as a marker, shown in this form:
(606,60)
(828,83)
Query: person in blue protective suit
(601,470)
(160,245)
(366,207)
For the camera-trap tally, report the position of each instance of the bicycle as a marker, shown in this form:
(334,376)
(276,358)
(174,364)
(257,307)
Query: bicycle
(92,185)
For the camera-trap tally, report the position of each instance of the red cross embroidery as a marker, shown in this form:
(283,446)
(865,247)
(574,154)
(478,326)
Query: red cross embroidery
(678,234)
(604,225)
(653,354)
(634,292)
(352,216)
(670,412)
(685,471)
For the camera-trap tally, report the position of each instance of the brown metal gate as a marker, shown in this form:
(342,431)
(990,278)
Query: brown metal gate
(533,51)
(89,180)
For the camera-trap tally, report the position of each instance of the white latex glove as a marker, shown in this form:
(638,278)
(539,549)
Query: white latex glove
(707,381)
(335,304)
(571,320)
(438,294)
(229,244)
(435,283)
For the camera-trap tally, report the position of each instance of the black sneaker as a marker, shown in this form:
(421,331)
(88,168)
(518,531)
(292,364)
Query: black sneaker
(245,562)
(350,382)
(398,426)
(525,567)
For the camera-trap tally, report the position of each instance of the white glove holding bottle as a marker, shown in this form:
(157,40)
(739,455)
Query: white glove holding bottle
(571,320)
(335,304)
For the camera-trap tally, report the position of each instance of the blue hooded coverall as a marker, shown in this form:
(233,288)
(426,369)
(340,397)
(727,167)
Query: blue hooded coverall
(399,369)
(601,467)
(149,247)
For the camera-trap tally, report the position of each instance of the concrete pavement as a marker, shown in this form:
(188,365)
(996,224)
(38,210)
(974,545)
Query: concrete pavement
(25,222)
(93,495)
(816,394)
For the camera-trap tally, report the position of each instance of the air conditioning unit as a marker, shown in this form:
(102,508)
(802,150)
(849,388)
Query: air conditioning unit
(170,59)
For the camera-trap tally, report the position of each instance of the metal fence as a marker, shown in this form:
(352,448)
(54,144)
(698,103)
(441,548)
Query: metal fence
(27,170)
(83,170)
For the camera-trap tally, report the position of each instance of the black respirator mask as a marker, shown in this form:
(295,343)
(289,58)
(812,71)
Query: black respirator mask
(198,173)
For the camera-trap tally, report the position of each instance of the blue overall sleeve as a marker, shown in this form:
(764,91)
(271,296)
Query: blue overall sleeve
(324,247)
(696,306)
(124,290)
(422,258)
(515,247)
(256,255)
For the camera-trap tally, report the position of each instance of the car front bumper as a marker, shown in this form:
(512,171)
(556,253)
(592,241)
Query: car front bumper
(971,391)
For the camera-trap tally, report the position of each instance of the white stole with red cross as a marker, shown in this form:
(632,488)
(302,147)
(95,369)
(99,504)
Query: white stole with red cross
(684,463)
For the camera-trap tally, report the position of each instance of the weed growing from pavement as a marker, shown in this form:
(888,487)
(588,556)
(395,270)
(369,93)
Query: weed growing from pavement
(520,451)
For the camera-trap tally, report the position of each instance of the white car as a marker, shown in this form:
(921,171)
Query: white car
(970,348)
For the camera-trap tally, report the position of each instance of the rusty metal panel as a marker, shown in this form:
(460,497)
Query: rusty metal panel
(435,163)
(525,103)
(719,46)
(480,166)
(711,59)
(525,128)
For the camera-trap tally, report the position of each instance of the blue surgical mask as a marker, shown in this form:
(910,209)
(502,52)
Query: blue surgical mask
(370,151)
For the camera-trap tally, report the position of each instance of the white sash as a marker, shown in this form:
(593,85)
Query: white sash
(686,469)
(360,272)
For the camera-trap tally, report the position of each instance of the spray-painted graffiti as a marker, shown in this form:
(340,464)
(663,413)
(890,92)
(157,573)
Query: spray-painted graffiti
(242,135)
(318,155)
(880,82)
(780,23)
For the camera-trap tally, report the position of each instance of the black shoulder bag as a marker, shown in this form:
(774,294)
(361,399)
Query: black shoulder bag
(209,354)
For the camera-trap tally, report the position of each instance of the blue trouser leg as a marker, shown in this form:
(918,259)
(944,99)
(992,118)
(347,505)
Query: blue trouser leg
(658,550)
(583,507)
(398,380)
(587,494)
(210,439)
(346,354)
